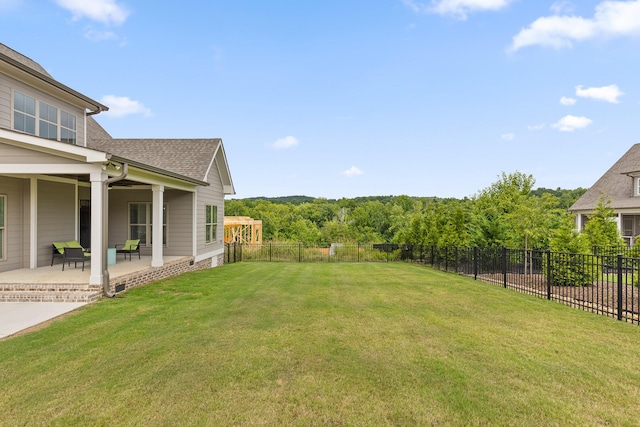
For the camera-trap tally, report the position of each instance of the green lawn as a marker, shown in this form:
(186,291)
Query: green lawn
(323,344)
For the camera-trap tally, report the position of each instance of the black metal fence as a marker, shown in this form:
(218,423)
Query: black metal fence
(604,282)
(298,252)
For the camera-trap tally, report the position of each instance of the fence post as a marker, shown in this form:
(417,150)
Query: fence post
(358,251)
(548,274)
(456,261)
(269,252)
(446,258)
(619,287)
(475,263)
(504,266)
(299,252)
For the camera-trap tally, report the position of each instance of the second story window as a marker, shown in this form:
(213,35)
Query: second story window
(67,127)
(24,113)
(44,120)
(48,126)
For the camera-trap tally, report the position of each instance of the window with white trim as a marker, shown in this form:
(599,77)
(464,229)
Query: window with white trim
(140,218)
(24,113)
(67,127)
(48,124)
(3,226)
(42,119)
(211,223)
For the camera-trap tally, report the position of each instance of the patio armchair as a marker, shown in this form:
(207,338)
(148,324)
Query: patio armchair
(57,249)
(75,255)
(129,247)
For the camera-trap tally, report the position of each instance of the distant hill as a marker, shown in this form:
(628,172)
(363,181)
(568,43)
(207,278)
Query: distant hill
(294,200)
(567,197)
(298,200)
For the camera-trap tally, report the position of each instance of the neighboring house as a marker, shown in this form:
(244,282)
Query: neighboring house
(621,186)
(63,177)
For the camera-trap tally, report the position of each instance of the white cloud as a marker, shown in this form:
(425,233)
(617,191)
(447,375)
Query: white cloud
(508,136)
(106,11)
(611,19)
(120,106)
(567,101)
(286,142)
(536,127)
(6,5)
(353,171)
(570,123)
(456,8)
(95,35)
(562,6)
(609,93)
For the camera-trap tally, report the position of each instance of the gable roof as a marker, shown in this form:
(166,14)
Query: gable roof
(7,52)
(189,158)
(35,73)
(616,184)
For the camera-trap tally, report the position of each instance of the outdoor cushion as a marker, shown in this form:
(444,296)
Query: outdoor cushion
(130,245)
(70,244)
(60,246)
(73,244)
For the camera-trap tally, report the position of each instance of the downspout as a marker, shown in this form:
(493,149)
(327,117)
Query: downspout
(105,228)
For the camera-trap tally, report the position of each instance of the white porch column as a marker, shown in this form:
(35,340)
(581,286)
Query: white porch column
(97,219)
(156,247)
(33,223)
(579,222)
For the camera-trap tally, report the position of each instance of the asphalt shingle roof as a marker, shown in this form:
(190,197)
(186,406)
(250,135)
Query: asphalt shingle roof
(17,56)
(187,157)
(615,184)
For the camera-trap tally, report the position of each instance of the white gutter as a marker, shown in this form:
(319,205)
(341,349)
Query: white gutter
(105,228)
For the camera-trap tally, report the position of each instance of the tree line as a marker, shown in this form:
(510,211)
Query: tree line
(510,212)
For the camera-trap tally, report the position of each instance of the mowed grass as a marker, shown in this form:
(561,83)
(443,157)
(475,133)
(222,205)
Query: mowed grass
(323,344)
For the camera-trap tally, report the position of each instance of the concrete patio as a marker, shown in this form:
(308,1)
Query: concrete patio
(51,284)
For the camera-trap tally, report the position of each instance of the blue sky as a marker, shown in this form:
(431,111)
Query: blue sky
(356,98)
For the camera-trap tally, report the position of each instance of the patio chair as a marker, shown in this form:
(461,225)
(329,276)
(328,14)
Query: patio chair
(129,247)
(57,249)
(74,255)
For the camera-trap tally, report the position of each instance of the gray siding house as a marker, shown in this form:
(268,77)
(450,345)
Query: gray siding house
(621,186)
(63,177)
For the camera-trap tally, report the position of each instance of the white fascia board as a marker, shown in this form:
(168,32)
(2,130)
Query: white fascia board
(56,168)
(151,178)
(213,159)
(57,148)
(223,170)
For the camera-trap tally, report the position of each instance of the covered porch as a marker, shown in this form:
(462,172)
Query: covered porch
(51,284)
(56,192)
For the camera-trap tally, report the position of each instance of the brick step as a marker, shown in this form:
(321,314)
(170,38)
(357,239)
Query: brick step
(50,296)
(48,287)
